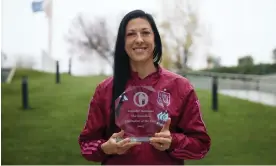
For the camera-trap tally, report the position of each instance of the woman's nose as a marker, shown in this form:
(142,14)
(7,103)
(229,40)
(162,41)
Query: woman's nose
(139,38)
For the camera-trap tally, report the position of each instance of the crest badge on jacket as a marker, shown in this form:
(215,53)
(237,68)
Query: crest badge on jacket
(164,98)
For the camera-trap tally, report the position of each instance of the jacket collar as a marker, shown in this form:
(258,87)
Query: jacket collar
(150,78)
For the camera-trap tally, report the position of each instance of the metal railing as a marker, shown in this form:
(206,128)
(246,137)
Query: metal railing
(255,88)
(203,80)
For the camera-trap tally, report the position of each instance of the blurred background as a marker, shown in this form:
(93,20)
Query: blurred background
(55,52)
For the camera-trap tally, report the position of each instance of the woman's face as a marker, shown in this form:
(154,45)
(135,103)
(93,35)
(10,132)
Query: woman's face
(139,40)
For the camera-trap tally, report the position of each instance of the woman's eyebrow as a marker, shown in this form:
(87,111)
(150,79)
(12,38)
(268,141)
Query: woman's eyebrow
(145,28)
(131,30)
(136,29)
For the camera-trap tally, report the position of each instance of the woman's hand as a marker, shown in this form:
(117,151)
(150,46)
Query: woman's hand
(114,147)
(162,140)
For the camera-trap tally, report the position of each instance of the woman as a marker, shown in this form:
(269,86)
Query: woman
(138,52)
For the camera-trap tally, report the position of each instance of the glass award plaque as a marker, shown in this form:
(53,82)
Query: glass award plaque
(141,111)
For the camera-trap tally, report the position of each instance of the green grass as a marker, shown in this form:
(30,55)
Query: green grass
(241,132)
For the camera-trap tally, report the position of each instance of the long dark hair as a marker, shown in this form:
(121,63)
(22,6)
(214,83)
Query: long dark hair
(122,70)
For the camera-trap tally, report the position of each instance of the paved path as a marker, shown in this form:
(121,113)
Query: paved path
(263,92)
(254,96)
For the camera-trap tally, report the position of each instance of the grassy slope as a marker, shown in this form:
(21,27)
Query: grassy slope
(242,132)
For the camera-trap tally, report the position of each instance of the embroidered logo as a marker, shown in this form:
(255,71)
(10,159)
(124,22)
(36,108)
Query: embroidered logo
(163,98)
(163,116)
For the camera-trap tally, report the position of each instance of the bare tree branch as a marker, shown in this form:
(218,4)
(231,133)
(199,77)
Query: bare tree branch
(86,37)
(181,24)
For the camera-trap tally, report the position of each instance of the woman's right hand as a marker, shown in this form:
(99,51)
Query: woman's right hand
(113,147)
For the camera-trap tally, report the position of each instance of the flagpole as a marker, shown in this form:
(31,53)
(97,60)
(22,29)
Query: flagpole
(48,8)
(50,29)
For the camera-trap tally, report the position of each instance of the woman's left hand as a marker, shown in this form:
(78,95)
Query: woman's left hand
(162,140)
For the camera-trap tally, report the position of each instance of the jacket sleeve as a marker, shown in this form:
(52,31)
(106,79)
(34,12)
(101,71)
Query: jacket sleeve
(193,142)
(91,137)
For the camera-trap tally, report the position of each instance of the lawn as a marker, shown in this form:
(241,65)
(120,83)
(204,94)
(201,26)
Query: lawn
(242,132)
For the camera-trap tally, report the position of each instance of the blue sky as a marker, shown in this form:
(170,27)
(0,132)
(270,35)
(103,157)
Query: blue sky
(236,27)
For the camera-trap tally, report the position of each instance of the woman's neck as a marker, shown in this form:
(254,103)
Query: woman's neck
(143,68)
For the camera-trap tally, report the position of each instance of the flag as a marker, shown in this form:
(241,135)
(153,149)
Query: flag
(37,6)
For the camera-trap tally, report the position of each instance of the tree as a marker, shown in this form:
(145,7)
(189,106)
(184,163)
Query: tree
(246,61)
(85,37)
(166,58)
(274,55)
(210,61)
(213,61)
(182,26)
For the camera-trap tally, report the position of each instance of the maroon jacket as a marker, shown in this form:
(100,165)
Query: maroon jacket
(189,136)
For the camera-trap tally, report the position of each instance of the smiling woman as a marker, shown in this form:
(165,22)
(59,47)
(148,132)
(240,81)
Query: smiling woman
(182,135)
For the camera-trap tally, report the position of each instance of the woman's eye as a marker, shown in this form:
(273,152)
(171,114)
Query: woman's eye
(146,33)
(130,34)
